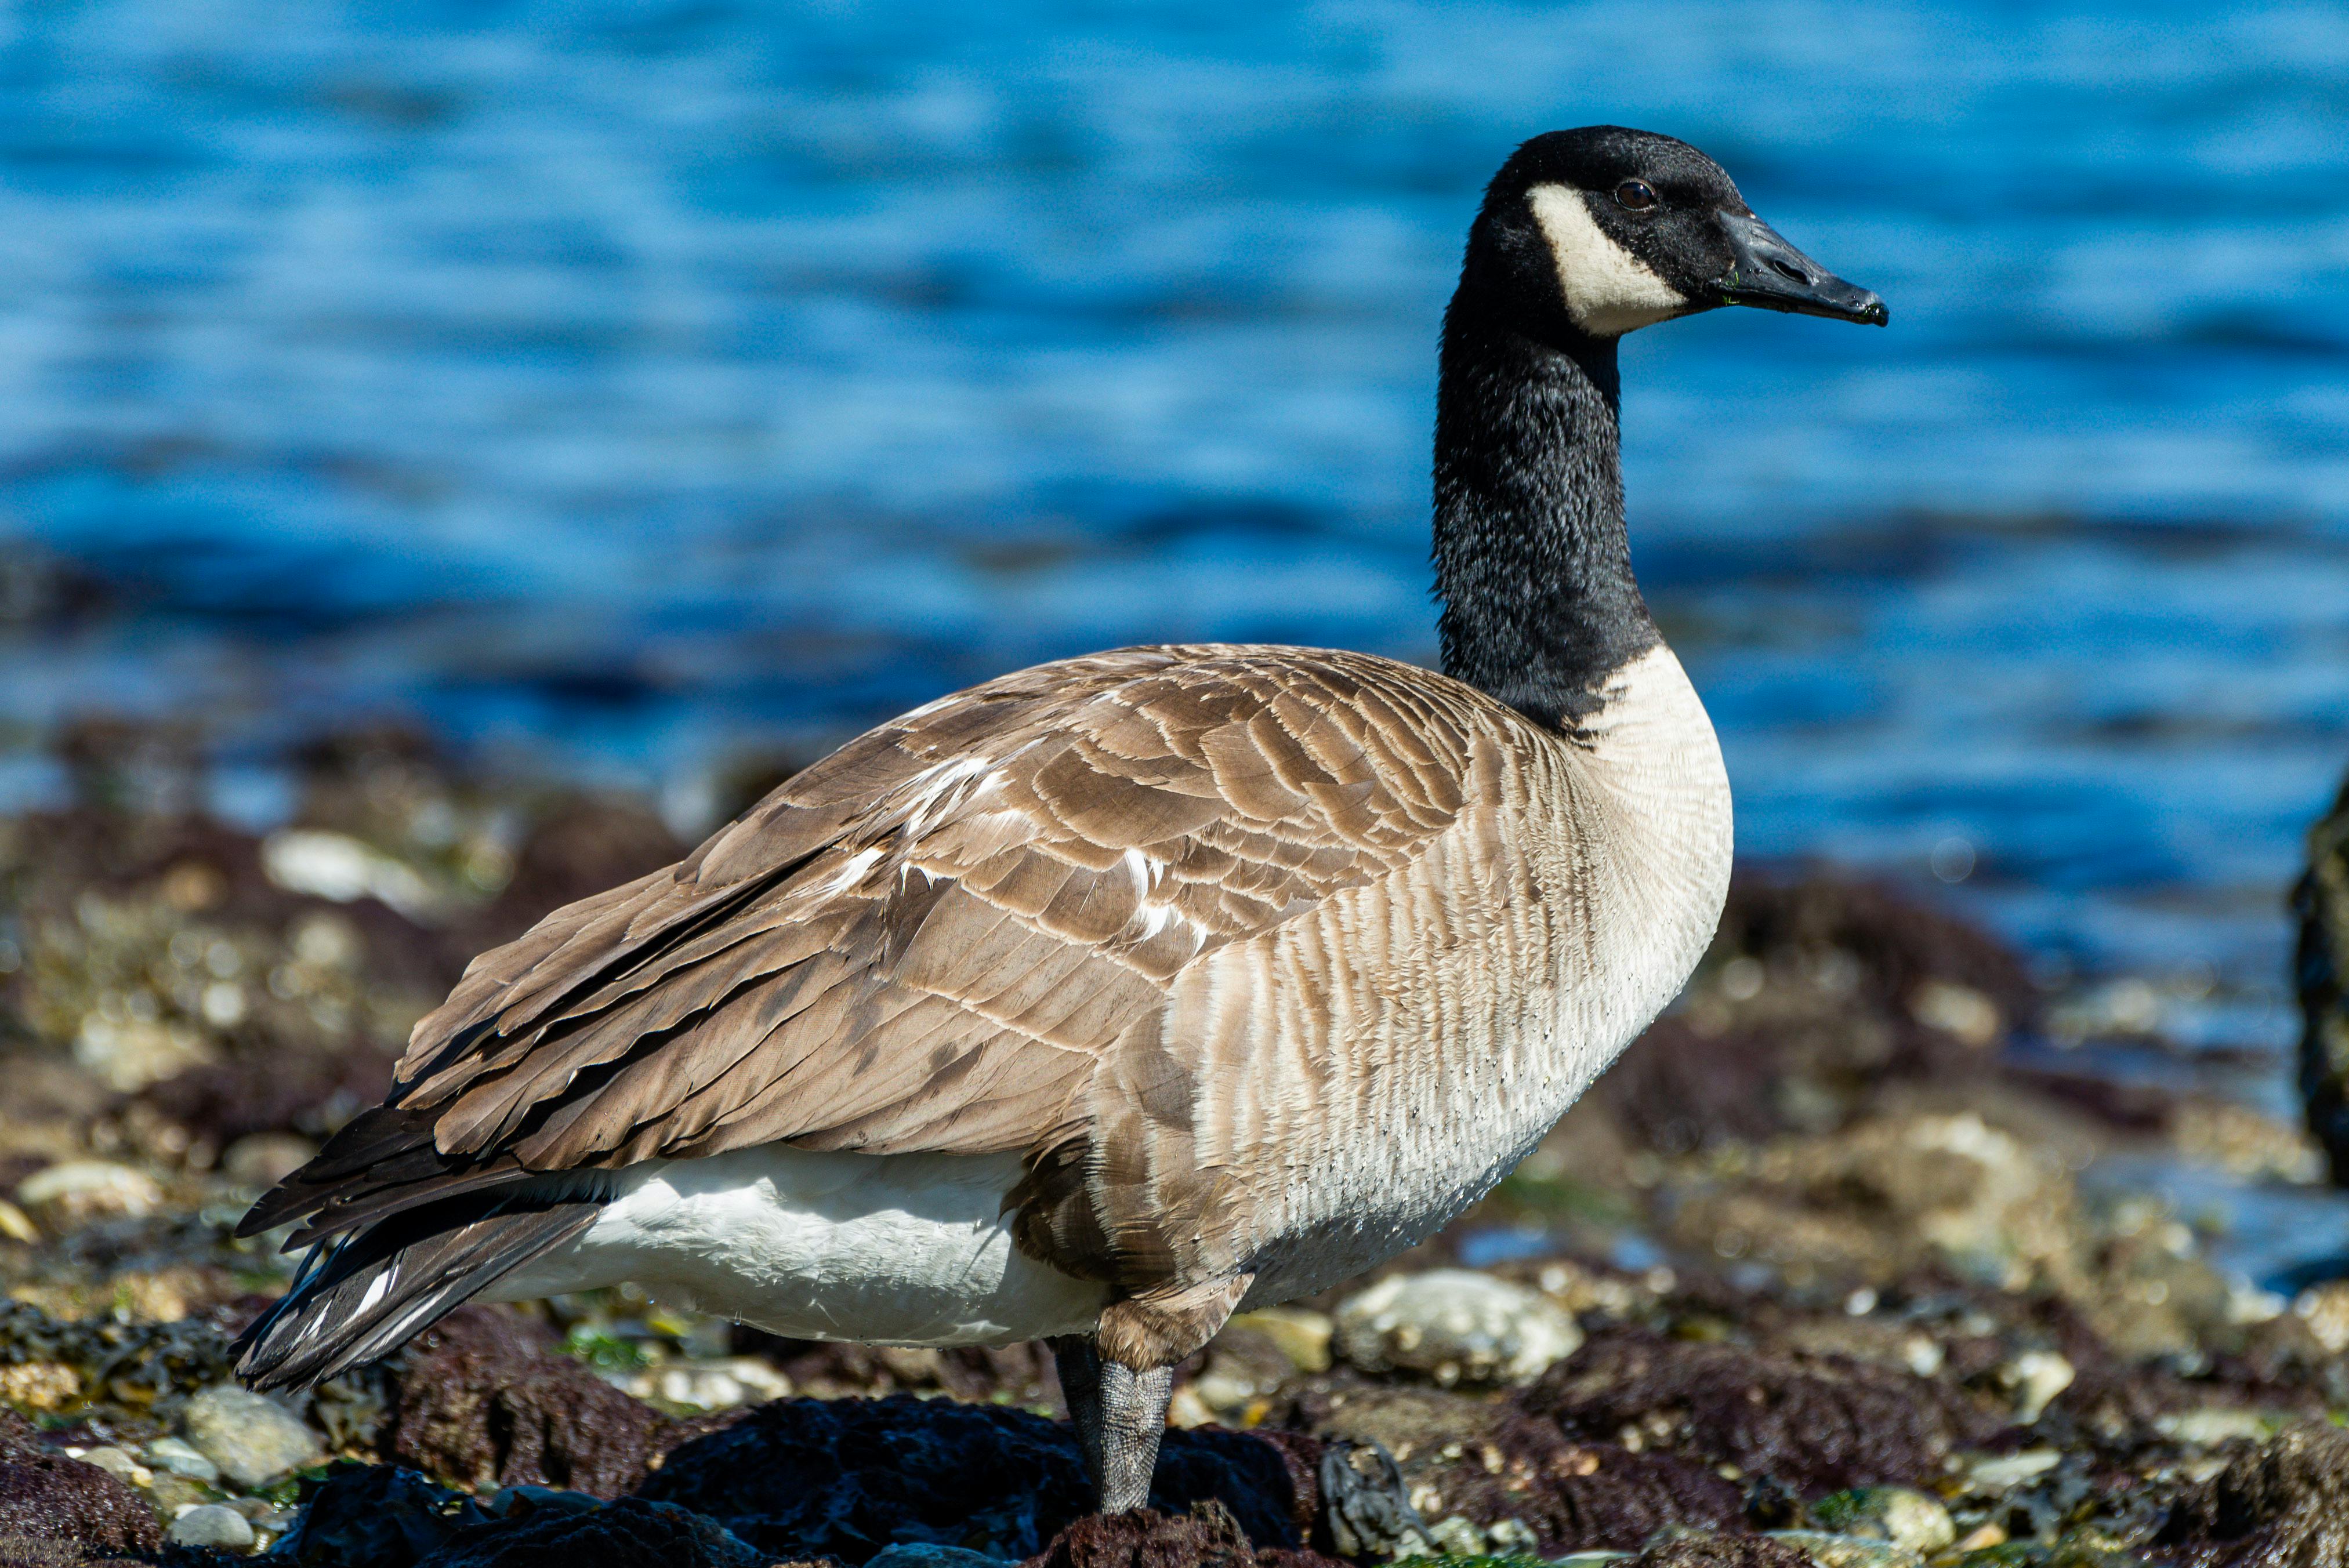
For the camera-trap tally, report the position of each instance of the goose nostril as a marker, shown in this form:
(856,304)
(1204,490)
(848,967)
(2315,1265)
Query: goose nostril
(1784,270)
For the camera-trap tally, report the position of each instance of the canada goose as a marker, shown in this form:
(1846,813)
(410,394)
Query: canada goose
(1097,1001)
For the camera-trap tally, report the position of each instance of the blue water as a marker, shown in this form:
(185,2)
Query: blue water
(631,387)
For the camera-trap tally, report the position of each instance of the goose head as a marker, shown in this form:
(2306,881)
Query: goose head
(1598,232)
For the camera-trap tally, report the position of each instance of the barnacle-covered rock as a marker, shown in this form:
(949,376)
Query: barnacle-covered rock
(1455,1325)
(1817,1422)
(47,1497)
(2282,1504)
(484,1399)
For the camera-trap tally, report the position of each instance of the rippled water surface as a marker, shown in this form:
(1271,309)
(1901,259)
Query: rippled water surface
(636,386)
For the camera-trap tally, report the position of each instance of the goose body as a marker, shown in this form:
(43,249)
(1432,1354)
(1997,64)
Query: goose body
(1400,1046)
(1095,1001)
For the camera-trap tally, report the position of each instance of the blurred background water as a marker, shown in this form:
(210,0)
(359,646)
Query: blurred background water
(623,388)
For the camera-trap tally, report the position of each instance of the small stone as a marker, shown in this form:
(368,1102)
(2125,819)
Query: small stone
(1299,1332)
(1512,1538)
(2002,1471)
(171,1495)
(78,1189)
(341,867)
(262,1513)
(923,1554)
(212,1524)
(1456,1326)
(1894,1513)
(15,1225)
(39,1386)
(181,1458)
(2325,1309)
(1458,1537)
(2213,1425)
(2039,1375)
(252,1440)
(114,1461)
(1832,1551)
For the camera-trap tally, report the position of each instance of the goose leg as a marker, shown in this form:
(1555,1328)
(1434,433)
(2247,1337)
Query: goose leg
(1119,1413)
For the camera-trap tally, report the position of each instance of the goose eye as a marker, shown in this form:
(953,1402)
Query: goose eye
(1636,195)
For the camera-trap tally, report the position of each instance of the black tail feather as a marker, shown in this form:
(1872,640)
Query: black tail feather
(383,1145)
(358,1299)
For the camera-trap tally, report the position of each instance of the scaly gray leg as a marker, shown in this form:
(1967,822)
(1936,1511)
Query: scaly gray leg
(1119,1414)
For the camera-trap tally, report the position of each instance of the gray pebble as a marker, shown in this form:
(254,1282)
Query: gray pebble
(181,1458)
(253,1440)
(212,1524)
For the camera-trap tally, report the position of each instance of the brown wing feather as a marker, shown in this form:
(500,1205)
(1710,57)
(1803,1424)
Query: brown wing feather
(932,939)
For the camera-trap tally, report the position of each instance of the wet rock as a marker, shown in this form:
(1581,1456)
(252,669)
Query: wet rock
(212,1524)
(525,1502)
(1208,1536)
(114,1461)
(254,1441)
(375,1516)
(910,1554)
(1820,995)
(146,1367)
(2285,1504)
(1573,1496)
(1907,1518)
(1455,1325)
(485,1400)
(78,1191)
(1719,1551)
(1412,1421)
(181,1458)
(1491,1463)
(2039,1375)
(1832,1551)
(847,1476)
(1894,1194)
(2322,969)
(39,1386)
(45,1497)
(629,1534)
(1366,1505)
(1817,1422)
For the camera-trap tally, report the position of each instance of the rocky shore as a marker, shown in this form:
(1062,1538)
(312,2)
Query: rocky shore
(1816,1277)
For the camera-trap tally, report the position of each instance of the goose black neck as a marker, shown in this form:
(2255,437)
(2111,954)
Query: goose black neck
(1531,561)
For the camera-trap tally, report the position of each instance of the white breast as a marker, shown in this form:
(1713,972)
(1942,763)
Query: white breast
(902,1249)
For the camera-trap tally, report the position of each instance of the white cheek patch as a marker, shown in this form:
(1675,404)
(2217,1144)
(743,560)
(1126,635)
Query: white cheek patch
(1609,291)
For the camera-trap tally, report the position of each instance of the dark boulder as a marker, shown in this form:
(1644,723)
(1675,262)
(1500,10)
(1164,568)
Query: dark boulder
(486,1400)
(375,1516)
(46,1499)
(2320,971)
(848,1477)
(629,1534)
(2283,1504)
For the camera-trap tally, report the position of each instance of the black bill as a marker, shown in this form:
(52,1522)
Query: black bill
(1766,271)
